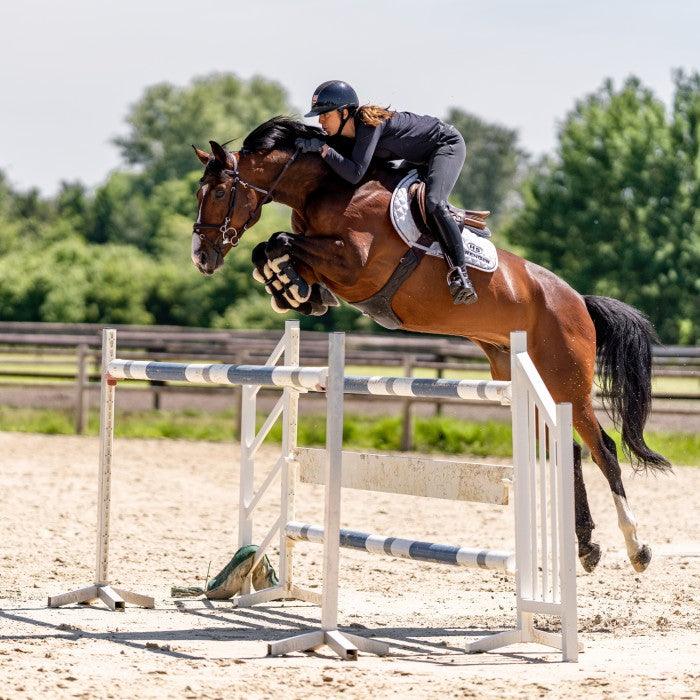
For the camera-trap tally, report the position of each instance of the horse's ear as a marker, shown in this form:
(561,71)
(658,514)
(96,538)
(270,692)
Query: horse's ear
(219,153)
(203,156)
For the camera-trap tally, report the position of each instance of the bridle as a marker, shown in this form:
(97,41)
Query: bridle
(224,239)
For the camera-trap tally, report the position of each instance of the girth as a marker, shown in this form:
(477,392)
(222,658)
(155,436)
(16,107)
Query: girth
(378,306)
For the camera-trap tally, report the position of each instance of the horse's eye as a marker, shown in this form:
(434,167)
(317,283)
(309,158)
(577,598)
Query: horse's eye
(219,193)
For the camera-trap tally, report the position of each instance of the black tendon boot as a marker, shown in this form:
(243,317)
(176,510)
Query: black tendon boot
(450,240)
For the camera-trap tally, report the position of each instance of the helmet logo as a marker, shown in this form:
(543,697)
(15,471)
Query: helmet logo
(314,100)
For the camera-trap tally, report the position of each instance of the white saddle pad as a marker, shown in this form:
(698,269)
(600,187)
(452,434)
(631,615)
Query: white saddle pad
(479,252)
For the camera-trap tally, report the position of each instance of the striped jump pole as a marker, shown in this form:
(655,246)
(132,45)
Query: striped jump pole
(409,549)
(302,378)
(466,389)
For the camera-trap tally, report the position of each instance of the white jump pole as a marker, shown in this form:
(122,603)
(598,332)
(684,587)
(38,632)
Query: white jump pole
(344,644)
(565,513)
(114,598)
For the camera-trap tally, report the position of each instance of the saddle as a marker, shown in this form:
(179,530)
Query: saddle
(475,220)
(408,216)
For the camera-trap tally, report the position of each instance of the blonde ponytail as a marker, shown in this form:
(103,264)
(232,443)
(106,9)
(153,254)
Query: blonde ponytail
(372,115)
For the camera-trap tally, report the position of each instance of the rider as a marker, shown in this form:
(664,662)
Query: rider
(394,135)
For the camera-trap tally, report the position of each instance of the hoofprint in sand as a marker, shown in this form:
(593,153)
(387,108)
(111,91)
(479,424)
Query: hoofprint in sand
(175,509)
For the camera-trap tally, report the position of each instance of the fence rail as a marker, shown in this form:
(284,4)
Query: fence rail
(69,353)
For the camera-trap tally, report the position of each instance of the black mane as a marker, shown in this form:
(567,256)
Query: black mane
(279,133)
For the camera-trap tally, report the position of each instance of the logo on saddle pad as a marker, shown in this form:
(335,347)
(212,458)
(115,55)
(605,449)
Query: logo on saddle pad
(479,252)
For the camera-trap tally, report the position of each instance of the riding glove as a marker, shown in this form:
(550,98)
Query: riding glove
(309,145)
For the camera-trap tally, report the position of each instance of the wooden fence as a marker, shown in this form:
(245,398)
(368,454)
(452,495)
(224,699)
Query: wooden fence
(32,352)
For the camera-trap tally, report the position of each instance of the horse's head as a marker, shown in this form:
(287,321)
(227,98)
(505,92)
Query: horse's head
(228,205)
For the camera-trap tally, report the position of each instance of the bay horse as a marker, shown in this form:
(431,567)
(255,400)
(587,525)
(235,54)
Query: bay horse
(343,240)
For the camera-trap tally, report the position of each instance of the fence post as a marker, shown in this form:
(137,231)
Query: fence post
(155,386)
(440,375)
(406,426)
(80,388)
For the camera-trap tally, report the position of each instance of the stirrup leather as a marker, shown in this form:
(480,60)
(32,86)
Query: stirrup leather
(458,274)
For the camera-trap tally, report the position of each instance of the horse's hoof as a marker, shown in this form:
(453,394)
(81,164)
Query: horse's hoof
(589,559)
(641,559)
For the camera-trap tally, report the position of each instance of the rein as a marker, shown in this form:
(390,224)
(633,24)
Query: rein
(224,228)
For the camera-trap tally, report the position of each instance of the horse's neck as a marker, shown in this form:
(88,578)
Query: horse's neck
(301,178)
(359,268)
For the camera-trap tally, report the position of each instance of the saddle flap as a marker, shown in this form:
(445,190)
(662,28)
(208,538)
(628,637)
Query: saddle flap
(408,216)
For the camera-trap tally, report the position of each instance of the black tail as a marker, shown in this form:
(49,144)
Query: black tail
(623,338)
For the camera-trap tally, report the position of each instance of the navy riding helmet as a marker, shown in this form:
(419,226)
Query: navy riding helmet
(333,94)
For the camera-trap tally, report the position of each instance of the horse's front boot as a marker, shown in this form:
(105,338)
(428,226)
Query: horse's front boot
(265,275)
(278,250)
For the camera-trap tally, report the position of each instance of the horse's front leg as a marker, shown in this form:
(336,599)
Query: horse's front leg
(332,258)
(296,278)
(292,284)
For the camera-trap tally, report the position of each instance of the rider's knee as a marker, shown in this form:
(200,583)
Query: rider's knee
(432,204)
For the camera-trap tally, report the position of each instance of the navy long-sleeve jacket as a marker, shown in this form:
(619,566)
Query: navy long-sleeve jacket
(404,135)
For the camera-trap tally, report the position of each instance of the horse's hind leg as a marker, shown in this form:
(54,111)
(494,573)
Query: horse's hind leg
(499,360)
(638,553)
(604,453)
(588,551)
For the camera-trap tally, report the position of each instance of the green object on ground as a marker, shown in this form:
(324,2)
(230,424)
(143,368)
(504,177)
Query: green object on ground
(229,581)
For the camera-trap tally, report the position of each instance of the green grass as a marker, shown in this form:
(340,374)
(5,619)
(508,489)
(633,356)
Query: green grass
(678,448)
(442,435)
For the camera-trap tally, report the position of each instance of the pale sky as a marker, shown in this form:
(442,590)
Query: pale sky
(69,69)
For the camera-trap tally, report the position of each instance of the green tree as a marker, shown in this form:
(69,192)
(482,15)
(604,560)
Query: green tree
(119,212)
(19,297)
(10,234)
(73,203)
(603,212)
(121,280)
(494,164)
(6,198)
(167,119)
(685,255)
(64,278)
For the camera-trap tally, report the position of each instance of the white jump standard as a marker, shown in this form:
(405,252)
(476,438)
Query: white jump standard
(114,598)
(542,486)
(541,478)
(300,378)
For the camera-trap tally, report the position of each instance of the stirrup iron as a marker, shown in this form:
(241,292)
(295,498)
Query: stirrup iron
(460,286)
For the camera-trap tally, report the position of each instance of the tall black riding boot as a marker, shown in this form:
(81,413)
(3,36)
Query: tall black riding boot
(450,239)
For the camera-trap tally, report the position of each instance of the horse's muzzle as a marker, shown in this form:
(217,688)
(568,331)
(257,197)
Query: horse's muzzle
(204,256)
